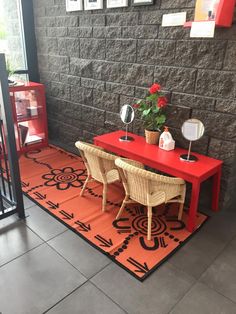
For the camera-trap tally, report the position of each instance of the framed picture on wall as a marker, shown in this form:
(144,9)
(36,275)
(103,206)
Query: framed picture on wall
(93,4)
(74,5)
(142,2)
(117,3)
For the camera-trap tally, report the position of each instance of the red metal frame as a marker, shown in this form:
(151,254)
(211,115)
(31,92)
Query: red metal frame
(169,162)
(224,14)
(39,123)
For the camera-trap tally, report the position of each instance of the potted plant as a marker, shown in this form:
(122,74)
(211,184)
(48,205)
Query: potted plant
(152,113)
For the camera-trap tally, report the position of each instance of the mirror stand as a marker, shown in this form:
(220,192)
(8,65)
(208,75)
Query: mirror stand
(126,138)
(188,157)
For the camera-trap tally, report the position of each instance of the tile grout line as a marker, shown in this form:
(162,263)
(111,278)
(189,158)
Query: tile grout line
(89,279)
(108,296)
(227,244)
(37,246)
(218,292)
(213,260)
(198,280)
(217,255)
(182,297)
(65,297)
(15,258)
(66,260)
(45,241)
(187,291)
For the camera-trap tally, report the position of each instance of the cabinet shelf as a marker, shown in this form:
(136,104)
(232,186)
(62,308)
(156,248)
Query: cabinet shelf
(23,119)
(33,139)
(29,114)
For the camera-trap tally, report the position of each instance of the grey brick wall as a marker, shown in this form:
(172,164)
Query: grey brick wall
(92,62)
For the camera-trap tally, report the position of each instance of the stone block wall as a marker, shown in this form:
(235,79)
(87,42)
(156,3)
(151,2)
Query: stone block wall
(93,62)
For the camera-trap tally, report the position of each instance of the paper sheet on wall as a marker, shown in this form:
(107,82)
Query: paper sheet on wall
(203,29)
(173,19)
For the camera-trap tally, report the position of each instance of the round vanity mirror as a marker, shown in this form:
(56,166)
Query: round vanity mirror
(127,116)
(192,130)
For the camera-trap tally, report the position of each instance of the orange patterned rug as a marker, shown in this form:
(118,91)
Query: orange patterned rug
(53,178)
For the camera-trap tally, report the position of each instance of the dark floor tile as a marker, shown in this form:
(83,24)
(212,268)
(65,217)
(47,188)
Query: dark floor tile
(222,225)
(79,253)
(15,239)
(27,202)
(221,275)
(87,300)
(205,245)
(43,224)
(202,299)
(8,221)
(36,281)
(197,254)
(157,294)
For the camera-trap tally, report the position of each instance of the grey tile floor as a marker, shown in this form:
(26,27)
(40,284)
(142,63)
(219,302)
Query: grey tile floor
(46,268)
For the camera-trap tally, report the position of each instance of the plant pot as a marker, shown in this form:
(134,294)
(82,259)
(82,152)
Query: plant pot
(152,137)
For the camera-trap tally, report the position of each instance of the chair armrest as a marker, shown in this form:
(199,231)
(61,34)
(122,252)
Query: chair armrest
(134,163)
(94,150)
(77,144)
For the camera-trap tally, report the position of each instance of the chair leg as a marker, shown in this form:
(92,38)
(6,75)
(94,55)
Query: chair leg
(149,234)
(122,206)
(84,186)
(181,207)
(104,197)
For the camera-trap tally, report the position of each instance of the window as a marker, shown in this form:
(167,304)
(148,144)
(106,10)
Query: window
(16,39)
(12,39)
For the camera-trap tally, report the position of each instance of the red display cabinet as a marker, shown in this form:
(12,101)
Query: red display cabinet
(30,117)
(220,11)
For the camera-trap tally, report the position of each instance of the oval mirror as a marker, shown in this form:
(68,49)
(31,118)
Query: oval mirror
(127,114)
(192,129)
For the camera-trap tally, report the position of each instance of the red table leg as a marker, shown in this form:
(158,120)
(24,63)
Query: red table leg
(216,190)
(191,224)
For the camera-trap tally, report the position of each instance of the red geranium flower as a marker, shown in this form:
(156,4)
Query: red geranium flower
(162,102)
(136,105)
(154,88)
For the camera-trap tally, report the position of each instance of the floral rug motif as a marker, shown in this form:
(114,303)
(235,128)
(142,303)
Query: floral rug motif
(53,178)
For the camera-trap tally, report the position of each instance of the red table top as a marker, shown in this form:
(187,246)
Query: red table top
(153,156)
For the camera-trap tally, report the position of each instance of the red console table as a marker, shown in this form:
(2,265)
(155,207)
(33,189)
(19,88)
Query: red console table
(168,162)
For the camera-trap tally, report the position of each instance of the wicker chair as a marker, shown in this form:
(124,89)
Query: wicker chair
(149,189)
(100,167)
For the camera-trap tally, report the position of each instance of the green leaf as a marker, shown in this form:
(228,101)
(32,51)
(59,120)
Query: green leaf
(146,112)
(161,119)
(155,109)
(152,97)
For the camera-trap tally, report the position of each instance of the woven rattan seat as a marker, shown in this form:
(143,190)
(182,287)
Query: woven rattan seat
(100,167)
(148,188)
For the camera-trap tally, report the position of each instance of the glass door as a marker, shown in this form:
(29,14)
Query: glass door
(15,19)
